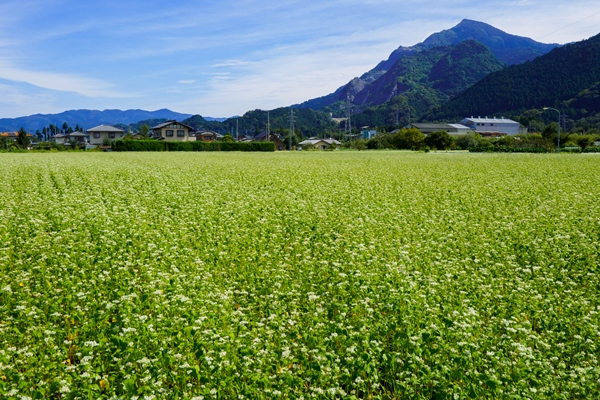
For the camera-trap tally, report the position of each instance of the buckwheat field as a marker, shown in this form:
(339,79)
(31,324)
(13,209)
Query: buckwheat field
(371,275)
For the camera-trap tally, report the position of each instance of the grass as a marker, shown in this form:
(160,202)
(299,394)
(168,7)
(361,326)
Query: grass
(299,275)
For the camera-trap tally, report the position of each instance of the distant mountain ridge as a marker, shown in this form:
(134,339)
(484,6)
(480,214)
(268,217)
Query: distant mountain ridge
(90,118)
(509,49)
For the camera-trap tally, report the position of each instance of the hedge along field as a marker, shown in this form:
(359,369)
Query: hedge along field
(387,275)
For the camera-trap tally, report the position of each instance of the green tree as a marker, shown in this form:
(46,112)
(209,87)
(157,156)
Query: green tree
(359,144)
(439,140)
(550,131)
(144,130)
(468,141)
(23,140)
(408,139)
(228,138)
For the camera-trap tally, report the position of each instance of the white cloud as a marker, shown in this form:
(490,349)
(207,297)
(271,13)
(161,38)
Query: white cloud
(60,82)
(187,82)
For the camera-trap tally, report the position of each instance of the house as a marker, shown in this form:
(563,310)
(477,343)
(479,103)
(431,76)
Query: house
(12,136)
(59,138)
(270,137)
(67,138)
(321,144)
(452,129)
(492,125)
(101,134)
(207,135)
(367,133)
(174,131)
(78,137)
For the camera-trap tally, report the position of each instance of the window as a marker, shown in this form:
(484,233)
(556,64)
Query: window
(96,135)
(169,132)
(491,124)
(180,133)
(111,135)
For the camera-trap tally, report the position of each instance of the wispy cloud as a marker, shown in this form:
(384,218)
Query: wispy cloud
(187,81)
(60,82)
(231,63)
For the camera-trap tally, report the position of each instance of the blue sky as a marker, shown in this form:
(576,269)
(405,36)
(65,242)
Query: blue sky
(222,58)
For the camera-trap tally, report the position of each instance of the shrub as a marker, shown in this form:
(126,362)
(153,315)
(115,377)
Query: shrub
(155,145)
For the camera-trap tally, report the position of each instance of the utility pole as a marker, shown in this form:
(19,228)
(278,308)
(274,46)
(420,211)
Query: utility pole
(268,127)
(292,129)
(237,136)
(348,130)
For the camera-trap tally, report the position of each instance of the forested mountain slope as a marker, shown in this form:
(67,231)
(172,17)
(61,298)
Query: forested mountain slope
(568,75)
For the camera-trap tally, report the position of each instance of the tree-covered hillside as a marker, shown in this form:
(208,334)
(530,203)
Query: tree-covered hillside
(424,80)
(567,77)
(307,121)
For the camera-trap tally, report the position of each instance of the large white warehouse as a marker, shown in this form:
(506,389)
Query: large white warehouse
(501,125)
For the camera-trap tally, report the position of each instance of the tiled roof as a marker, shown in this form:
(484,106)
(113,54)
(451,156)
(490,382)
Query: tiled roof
(105,128)
(172,122)
(493,120)
(315,141)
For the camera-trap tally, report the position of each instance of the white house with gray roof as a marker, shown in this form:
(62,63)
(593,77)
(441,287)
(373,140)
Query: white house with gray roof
(492,125)
(103,133)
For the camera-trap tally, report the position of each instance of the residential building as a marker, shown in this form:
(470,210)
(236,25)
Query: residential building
(452,129)
(102,134)
(206,135)
(321,144)
(67,138)
(367,133)
(270,137)
(174,131)
(13,136)
(493,125)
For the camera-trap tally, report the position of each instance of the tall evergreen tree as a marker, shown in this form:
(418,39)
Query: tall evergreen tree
(23,140)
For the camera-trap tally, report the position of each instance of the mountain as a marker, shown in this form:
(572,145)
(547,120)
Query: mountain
(441,71)
(567,78)
(509,49)
(87,118)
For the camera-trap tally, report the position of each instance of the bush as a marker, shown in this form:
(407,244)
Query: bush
(507,149)
(591,150)
(468,141)
(138,145)
(155,145)
(381,142)
(408,139)
(439,140)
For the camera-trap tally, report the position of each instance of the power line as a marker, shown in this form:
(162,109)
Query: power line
(565,27)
